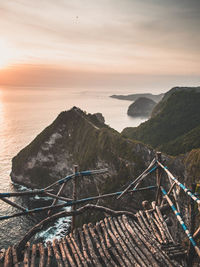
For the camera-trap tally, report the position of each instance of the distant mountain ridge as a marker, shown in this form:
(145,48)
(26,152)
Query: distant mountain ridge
(133,97)
(174,126)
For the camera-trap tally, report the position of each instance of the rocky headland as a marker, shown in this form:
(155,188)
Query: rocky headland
(76,137)
(133,97)
(175,123)
(79,138)
(142,107)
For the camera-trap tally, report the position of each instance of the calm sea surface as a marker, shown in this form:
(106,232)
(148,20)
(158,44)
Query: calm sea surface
(23,114)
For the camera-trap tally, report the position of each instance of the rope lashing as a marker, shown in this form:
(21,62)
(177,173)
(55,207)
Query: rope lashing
(179,218)
(187,191)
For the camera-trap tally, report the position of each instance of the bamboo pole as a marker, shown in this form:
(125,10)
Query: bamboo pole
(13,204)
(187,191)
(98,244)
(57,253)
(70,203)
(140,180)
(42,255)
(103,244)
(191,250)
(174,194)
(63,254)
(24,193)
(178,216)
(33,255)
(58,197)
(8,258)
(158,180)
(26,255)
(69,177)
(49,254)
(15,259)
(144,174)
(56,200)
(68,253)
(197,233)
(74,196)
(164,224)
(171,188)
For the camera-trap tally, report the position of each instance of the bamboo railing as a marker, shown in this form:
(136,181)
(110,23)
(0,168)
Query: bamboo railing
(149,218)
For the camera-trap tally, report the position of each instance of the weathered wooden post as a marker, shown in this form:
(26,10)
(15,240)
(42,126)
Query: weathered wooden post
(74,197)
(191,250)
(158,180)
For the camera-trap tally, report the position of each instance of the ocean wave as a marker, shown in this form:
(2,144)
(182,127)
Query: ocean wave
(58,230)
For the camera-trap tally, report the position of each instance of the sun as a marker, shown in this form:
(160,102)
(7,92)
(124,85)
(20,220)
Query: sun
(5,54)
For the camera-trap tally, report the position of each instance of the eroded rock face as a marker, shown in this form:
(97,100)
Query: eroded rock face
(79,138)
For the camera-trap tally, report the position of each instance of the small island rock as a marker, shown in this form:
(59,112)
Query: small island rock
(141,107)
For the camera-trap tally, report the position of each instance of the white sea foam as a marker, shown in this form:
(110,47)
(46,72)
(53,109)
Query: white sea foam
(58,230)
(21,187)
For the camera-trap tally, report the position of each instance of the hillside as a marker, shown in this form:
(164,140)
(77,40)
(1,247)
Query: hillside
(141,107)
(79,138)
(160,105)
(175,128)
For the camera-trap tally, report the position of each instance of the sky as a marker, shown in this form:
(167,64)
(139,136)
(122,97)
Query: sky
(98,43)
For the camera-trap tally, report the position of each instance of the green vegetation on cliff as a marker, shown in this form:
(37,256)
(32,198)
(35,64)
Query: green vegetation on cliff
(79,138)
(175,128)
(160,105)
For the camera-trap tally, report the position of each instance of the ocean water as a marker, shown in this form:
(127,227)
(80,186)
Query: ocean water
(24,113)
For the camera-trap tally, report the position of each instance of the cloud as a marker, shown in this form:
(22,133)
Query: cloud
(41,76)
(149,36)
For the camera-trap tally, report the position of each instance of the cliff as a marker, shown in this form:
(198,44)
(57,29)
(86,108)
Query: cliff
(79,138)
(175,128)
(142,107)
(158,108)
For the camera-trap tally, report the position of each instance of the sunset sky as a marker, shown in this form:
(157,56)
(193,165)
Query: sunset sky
(99,43)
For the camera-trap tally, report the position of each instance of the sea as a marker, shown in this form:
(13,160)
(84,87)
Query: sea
(24,113)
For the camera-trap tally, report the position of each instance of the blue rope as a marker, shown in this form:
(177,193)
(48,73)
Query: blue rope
(83,173)
(2,195)
(187,191)
(153,169)
(179,218)
(68,204)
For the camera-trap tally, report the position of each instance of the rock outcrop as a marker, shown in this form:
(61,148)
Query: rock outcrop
(142,107)
(79,138)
